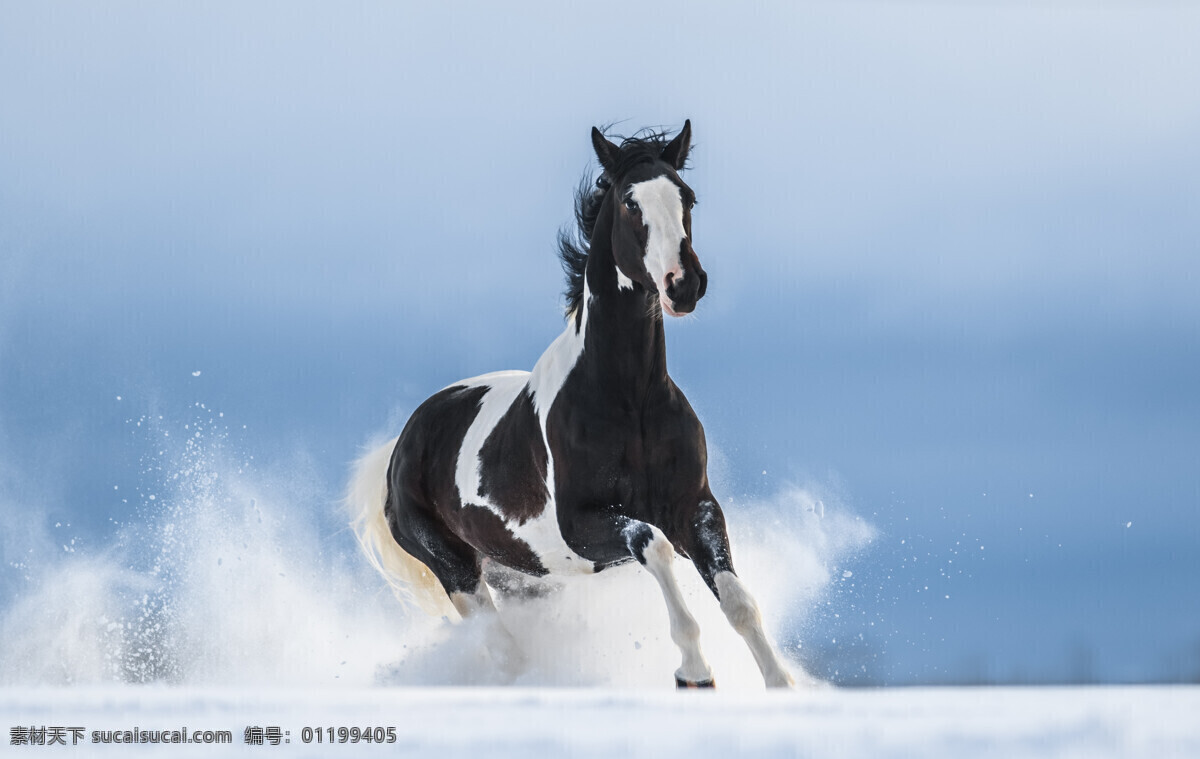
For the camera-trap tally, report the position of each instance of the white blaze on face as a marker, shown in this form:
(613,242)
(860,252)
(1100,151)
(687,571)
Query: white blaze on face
(662,212)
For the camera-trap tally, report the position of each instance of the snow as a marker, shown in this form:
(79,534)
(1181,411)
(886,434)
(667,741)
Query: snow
(229,577)
(1092,722)
(256,615)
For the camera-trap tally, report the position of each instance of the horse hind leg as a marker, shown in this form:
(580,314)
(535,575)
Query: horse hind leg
(458,568)
(502,649)
(455,564)
(515,585)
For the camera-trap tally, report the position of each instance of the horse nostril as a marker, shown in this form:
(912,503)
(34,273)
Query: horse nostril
(670,283)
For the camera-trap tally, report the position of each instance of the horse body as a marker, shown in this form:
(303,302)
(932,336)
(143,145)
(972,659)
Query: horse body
(594,458)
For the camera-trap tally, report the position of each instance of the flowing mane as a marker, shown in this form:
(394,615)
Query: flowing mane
(644,147)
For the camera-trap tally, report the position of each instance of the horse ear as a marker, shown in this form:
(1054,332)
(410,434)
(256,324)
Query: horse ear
(676,151)
(606,151)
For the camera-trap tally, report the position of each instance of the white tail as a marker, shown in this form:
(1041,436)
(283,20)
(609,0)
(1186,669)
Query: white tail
(411,580)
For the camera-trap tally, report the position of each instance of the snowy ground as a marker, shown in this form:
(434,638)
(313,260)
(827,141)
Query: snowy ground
(265,620)
(495,722)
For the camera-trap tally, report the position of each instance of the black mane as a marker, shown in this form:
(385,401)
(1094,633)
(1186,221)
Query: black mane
(644,147)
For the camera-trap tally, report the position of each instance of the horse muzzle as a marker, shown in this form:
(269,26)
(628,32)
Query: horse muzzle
(683,291)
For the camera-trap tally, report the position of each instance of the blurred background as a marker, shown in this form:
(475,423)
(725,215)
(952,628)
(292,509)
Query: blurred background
(954,259)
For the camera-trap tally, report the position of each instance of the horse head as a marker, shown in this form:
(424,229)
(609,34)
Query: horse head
(652,218)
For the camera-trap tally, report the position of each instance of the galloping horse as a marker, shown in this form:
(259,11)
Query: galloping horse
(593,459)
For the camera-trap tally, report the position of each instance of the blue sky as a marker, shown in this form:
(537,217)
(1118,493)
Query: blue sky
(954,256)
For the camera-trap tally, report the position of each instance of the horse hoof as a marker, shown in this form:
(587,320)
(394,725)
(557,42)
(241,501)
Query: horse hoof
(682,684)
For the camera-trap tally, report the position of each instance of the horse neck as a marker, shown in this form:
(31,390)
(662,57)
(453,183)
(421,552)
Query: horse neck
(624,345)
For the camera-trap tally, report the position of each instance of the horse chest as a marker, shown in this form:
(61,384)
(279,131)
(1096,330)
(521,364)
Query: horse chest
(629,459)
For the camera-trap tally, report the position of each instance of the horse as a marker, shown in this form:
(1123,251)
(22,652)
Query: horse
(593,459)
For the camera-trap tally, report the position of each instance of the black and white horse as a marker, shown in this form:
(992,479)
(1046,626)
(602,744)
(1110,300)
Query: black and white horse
(593,459)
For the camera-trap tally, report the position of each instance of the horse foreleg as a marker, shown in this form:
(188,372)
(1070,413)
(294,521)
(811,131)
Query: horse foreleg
(742,612)
(654,551)
(709,549)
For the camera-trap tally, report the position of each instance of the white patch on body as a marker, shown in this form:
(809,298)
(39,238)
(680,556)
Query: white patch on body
(685,631)
(490,380)
(662,212)
(743,615)
(551,370)
(549,374)
(503,389)
(623,282)
(541,533)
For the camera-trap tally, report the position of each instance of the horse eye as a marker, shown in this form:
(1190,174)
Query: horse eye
(632,205)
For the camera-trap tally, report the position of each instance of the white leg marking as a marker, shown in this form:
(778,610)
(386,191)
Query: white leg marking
(742,613)
(502,647)
(660,555)
(473,604)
